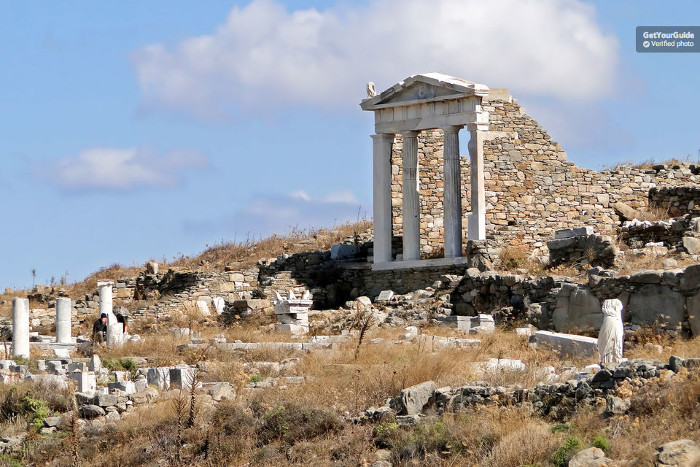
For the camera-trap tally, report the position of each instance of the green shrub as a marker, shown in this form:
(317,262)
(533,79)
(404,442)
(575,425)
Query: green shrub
(293,422)
(556,428)
(601,442)
(424,439)
(35,409)
(563,455)
(255,379)
(111,364)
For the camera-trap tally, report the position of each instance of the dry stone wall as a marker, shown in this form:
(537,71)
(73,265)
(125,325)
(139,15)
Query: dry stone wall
(531,188)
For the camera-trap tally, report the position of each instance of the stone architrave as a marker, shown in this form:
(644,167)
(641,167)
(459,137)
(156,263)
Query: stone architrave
(20,327)
(63,320)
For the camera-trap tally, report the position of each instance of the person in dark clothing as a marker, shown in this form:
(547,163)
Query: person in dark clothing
(99,329)
(122,319)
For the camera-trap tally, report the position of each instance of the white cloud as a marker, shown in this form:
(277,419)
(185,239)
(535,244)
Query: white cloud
(123,169)
(265,57)
(275,213)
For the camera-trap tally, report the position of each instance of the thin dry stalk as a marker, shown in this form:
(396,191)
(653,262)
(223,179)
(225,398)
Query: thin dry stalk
(193,382)
(75,431)
(180,408)
(364,321)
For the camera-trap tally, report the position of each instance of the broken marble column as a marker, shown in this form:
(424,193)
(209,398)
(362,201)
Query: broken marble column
(481,324)
(159,377)
(292,312)
(219,305)
(115,330)
(63,320)
(203,307)
(20,327)
(85,381)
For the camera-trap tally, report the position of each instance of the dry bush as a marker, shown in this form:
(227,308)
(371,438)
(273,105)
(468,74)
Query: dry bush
(653,213)
(513,257)
(531,443)
(159,349)
(660,412)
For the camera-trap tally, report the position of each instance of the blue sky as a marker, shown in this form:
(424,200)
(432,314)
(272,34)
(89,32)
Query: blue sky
(138,130)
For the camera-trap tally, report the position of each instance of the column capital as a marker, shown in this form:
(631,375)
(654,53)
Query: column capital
(451,128)
(477,126)
(410,133)
(383,136)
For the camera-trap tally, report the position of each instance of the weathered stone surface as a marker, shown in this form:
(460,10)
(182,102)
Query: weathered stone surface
(577,310)
(413,399)
(624,211)
(656,303)
(343,250)
(591,457)
(220,391)
(566,344)
(680,453)
(692,245)
(574,232)
(692,304)
(691,278)
(90,411)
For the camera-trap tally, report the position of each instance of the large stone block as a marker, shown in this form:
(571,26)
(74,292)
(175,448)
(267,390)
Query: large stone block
(566,344)
(693,306)
(575,232)
(656,304)
(159,377)
(412,400)
(577,310)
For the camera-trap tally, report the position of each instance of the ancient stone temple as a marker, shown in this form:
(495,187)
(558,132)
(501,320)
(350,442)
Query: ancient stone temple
(424,102)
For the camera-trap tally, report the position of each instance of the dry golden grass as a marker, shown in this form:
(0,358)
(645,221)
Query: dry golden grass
(632,263)
(247,253)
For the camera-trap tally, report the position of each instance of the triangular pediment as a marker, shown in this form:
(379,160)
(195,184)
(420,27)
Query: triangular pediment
(425,88)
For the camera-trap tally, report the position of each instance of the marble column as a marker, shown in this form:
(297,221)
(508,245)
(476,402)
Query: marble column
(20,327)
(477,219)
(105,290)
(381,196)
(411,199)
(114,329)
(63,320)
(452,181)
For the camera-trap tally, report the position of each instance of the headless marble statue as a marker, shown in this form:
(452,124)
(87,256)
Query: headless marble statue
(611,333)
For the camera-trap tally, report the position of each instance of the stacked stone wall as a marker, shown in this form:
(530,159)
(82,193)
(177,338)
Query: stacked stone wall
(531,188)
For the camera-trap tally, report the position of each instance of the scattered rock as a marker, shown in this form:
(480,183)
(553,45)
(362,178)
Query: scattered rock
(680,453)
(591,457)
(90,411)
(413,399)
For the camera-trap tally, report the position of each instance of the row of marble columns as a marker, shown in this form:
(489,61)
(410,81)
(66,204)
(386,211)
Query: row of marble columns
(452,183)
(20,321)
(20,325)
